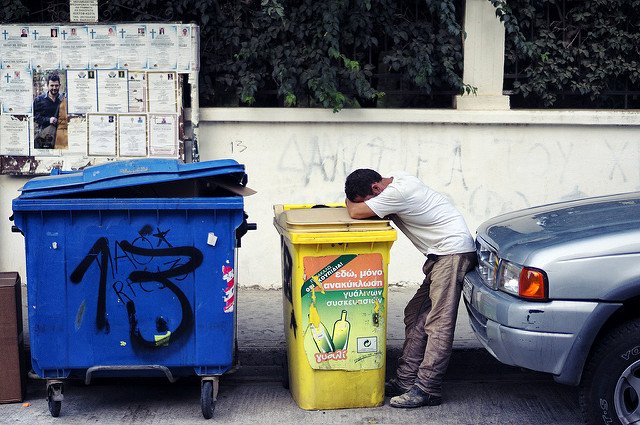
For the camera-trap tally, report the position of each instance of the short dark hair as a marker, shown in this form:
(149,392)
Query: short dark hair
(359,183)
(53,77)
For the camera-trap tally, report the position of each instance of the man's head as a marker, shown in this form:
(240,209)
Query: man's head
(53,84)
(359,185)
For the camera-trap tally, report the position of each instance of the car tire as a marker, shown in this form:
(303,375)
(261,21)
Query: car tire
(610,388)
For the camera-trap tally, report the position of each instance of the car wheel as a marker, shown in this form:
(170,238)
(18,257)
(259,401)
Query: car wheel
(610,388)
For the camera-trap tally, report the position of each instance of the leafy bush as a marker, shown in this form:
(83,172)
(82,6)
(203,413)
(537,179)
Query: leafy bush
(331,53)
(323,53)
(572,53)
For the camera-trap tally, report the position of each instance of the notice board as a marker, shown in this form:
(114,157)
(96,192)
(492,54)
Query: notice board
(78,95)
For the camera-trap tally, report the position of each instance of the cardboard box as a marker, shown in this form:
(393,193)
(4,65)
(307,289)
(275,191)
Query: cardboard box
(12,361)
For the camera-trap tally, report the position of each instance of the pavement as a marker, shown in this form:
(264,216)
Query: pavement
(474,384)
(261,338)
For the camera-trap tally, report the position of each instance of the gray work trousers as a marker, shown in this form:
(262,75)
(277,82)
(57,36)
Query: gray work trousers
(430,321)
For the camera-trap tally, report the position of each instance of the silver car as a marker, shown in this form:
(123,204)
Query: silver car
(557,290)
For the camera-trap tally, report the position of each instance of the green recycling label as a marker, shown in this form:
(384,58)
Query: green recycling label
(342,308)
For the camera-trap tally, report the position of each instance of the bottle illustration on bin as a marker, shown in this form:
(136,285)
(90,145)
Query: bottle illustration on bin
(319,332)
(325,342)
(341,332)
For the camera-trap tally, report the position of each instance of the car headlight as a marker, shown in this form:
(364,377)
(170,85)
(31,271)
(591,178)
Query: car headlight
(487,264)
(509,277)
(523,282)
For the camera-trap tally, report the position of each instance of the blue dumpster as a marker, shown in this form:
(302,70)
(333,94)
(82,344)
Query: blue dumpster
(130,271)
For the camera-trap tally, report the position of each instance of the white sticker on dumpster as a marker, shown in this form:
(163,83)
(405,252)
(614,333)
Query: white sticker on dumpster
(212,239)
(229,291)
(367,344)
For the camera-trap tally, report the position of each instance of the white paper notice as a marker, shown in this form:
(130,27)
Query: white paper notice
(162,92)
(77,134)
(103,45)
(195,48)
(16,91)
(15,45)
(83,10)
(163,135)
(163,46)
(137,91)
(82,91)
(113,95)
(133,49)
(74,47)
(185,52)
(132,135)
(102,134)
(45,47)
(14,135)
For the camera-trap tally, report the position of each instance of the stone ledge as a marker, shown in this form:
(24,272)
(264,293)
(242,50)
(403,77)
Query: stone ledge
(421,116)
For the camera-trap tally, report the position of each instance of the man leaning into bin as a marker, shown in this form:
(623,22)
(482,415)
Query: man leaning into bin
(439,231)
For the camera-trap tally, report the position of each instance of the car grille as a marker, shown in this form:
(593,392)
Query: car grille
(488,262)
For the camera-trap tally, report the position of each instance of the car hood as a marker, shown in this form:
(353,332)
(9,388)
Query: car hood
(520,234)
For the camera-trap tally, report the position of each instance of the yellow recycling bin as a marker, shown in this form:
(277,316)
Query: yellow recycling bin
(334,305)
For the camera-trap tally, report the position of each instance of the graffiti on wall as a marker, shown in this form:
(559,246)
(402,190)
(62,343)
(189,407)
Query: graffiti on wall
(153,264)
(483,177)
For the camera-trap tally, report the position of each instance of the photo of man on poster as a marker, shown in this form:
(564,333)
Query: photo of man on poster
(50,112)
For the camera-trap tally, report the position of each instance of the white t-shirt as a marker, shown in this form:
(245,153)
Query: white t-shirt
(425,216)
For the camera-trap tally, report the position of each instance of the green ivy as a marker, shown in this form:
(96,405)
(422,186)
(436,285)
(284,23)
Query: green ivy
(572,53)
(322,53)
(328,53)
(11,11)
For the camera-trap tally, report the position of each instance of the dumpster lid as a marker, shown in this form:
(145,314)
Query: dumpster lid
(335,219)
(135,172)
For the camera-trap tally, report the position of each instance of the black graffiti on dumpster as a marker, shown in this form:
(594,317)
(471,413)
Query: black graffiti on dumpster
(176,270)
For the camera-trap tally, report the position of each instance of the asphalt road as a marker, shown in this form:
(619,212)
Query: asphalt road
(478,389)
(515,397)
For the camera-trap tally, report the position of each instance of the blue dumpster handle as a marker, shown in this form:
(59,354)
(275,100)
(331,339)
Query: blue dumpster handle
(243,229)
(14,228)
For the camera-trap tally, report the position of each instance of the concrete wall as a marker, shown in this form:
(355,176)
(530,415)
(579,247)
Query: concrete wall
(487,162)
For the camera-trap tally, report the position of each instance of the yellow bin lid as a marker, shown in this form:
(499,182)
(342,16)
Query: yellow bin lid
(303,224)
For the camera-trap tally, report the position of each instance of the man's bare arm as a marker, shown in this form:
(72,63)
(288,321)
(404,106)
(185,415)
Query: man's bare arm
(359,209)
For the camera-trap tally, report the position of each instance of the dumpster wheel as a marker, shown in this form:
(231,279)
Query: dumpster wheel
(208,396)
(54,397)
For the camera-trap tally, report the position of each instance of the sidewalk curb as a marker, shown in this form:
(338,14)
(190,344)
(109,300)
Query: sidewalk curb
(256,364)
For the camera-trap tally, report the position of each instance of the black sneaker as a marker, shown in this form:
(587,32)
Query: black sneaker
(393,388)
(415,397)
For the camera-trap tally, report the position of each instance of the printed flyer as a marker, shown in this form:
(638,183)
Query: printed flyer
(45,47)
(15,46)
(343,311)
